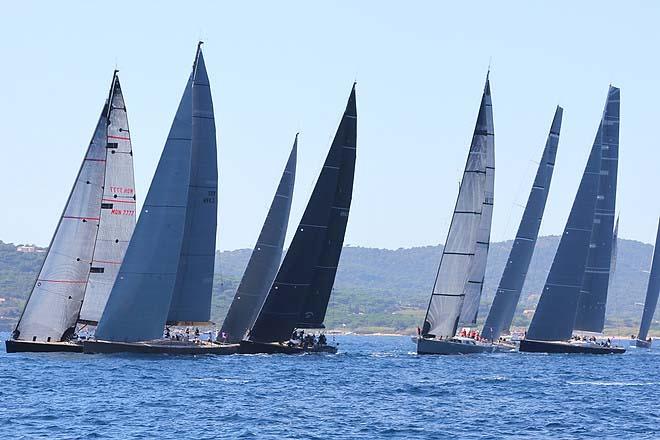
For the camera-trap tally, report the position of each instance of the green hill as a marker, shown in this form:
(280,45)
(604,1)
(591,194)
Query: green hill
(383,290)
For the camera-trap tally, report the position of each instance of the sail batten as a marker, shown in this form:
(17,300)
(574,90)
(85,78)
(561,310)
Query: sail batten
(462,258)
(501,313)
(264,260)
(301,290)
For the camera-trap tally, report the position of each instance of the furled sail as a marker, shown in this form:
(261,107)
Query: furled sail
(191,300)
(300,293)
(652,292)
(265,259)
(117,210)
(475,283)
(508,292)
(446,301)
(554,318)
(52,309)
(593,294)
(139,302)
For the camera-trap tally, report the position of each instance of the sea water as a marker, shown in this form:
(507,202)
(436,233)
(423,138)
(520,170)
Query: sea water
(375,387)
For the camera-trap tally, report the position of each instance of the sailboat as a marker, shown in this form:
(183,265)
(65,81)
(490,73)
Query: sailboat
(651,301)
(167,273)
(89,242)
(463,263)
(575,292)
(500,315)
(264,261)
(298,297)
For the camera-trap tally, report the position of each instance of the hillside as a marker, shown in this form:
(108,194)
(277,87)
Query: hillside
(382,290)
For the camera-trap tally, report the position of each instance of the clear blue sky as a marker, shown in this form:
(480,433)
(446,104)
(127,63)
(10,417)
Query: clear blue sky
(280,67)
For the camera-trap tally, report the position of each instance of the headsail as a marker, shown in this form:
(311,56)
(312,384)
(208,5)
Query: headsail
(615,248)
(191,300)
(475,283)
(506,299)
(300,293)
(554,318)
(265,259)
(52,309)
(446,301)
(139,302)
(593,295)
(652,291)
(117,209)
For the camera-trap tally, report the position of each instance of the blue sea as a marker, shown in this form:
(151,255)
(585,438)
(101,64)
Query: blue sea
(375,387)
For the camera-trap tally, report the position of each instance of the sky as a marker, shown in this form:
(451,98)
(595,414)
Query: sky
(277,68)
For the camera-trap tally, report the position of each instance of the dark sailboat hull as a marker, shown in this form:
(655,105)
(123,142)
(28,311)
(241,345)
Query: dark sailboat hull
(250,347)
(642,344)
(453,347)
(16,346)
(158,347)
(533,346)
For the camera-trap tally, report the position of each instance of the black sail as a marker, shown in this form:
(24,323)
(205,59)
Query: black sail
(301,291)
(265,259)
(506,299)
(593,295)
(652,291)
(555,314)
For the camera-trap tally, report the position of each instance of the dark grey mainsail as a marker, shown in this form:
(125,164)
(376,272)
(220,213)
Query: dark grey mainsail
(555,314)
(593,295)
(265,259)
(475,283)
(446,301)
(191,300)
(139,302)
(52,309)
(652,291)
(117,218)
(300,293)
(508,292)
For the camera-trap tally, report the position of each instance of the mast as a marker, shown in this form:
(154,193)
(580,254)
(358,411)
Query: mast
(652,291)
(554,318)
(475,282)
(593,294)
(301,291)
(446,302)
(139,302)
(52,308)
(191,299)
(506,299)
(265,259)
(117,215)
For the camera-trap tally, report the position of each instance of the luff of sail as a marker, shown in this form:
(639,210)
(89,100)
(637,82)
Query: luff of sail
(652,291)
(475,282)
(593,295)
(448,293)
(300,293)
(191,300)
(139,302)
(117,209)
(554,317)
(265,259)
(508,292)
(52,309)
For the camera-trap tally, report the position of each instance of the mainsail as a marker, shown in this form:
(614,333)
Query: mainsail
(554,318)
(139,302)
(117,210)
(448,294)
(55,302)
(191,300)
(265,259)
(652,291)
(301,291)
(593,294)
(506,299)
